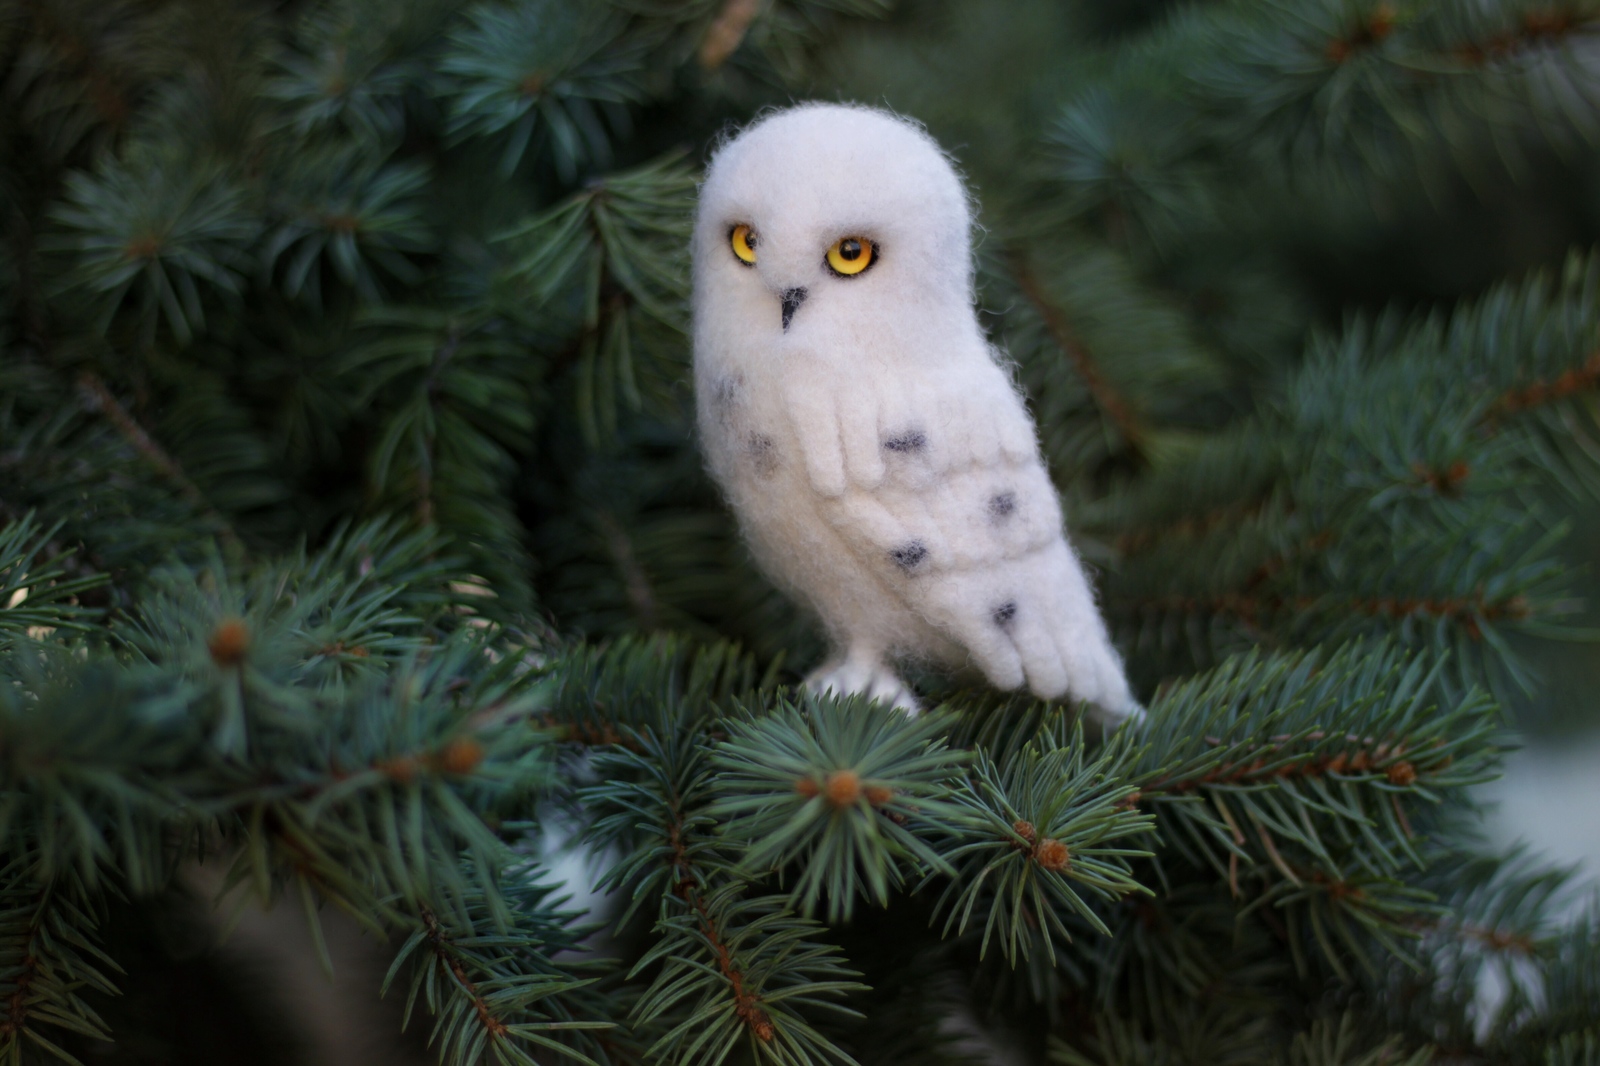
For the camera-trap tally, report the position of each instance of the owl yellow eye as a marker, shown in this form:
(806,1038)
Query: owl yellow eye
(852,255)
(743,240)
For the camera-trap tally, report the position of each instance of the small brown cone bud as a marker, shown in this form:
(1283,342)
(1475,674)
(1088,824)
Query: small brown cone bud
(229,642)
(877,795)
(1051,854)
(1024,830)
(1381,24)
(1402,773)
(844,787)
(808,788)
(401,771)
(727,32)
(461,756)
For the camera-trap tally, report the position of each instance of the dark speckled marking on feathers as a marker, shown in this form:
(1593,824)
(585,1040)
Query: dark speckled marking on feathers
(1001,506)
(912,440)
(908,556)
(725,397)
(1004,613)
(763,454)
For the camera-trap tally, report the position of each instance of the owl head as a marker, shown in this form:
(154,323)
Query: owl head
(825,213)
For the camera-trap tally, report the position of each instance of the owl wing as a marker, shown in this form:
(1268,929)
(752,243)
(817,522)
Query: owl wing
(936,484)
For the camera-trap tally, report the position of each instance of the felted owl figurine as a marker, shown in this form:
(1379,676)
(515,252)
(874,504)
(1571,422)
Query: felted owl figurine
(882,465)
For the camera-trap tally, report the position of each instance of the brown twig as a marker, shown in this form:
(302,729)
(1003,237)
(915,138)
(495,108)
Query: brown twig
(1105,397)
(1539,393)
(449,961)
(1538,28)
(634,578)
(1273,761)
(97,397)
(746,1004)
(1370,31)
(1132,542)
(16,1019)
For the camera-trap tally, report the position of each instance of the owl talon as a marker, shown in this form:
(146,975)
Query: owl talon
(1112,719)
(852,677)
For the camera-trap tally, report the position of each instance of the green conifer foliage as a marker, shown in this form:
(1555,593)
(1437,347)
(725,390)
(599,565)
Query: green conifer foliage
(353,540)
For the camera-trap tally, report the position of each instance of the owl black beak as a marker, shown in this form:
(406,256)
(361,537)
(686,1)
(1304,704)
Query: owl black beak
(792,299)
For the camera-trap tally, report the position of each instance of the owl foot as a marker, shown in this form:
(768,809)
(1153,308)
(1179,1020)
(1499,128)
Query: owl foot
(1115,717)
(864,675)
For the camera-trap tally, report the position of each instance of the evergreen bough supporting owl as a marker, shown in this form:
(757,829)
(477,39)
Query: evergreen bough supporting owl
(870,439)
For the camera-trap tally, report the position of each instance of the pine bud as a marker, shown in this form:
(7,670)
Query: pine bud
(844,788)
(1051,854)
(1402,773)
(229,642)
(402,771)
(461,756)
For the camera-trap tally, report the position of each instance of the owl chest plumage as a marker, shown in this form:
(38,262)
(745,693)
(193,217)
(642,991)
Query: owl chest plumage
(917,461)
(754,451)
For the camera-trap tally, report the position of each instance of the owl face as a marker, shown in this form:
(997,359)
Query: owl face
(825,213)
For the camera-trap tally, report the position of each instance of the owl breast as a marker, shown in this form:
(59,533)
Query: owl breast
(755,455)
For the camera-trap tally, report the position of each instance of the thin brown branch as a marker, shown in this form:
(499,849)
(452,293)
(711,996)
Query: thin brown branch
(1105,397)
(97,397)
(1369,31)
(1132,542)
(451,963)
(635,580)
(1350,755)
(1538,29)
(1540,393)
(746,1004)
(17,1014)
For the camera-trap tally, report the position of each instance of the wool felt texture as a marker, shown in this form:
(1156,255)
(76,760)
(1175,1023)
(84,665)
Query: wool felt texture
(882,465)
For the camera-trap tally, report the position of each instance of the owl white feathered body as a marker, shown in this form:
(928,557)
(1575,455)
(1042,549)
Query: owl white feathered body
(881,463)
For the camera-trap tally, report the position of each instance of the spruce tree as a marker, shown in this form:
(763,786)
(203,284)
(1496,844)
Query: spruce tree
(355,539)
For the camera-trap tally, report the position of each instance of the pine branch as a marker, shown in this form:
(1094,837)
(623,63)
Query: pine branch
(49,955)
(610,694)
(1258,732)
(843,794)
(351,64)
(456,392)
(79,470)
(1107,400)
(606,264)
(98,398)
(734,967)
(159,226)
(340,212)
(1046,822)
(497,990)
(78,71)
(536,67)
(39,590)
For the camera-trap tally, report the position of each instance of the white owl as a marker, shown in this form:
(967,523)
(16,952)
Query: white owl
(882,465)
